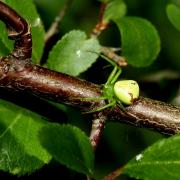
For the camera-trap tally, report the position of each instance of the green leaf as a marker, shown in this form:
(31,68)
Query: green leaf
(115,10)
(73,54)
(20,149)
(27,10)
(173,13)
(140,41)
(177,2)
(69,146)
(160,161)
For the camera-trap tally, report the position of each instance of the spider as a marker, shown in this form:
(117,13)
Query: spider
(120,93)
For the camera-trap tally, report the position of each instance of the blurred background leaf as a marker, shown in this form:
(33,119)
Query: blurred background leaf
(74,53)
(173,13)
(115,10)
(140,41)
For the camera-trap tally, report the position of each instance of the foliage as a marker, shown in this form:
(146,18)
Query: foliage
(174,14)
(27,141)
(71,147)
(20,149)
(73,54)
(118,7)
(140,41)
(160,161)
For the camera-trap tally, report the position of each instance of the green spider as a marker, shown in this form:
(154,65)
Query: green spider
(119,93)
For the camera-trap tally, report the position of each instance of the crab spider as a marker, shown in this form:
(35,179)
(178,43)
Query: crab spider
(119,93)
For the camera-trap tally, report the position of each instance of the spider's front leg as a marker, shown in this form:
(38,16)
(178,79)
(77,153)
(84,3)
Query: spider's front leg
(114,75)
(111,104)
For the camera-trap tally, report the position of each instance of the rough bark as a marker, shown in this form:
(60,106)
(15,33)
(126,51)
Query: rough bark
(24,76)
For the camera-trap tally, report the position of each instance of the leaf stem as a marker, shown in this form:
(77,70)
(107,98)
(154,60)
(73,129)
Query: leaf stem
(110,53)
(101,24)
(114,174)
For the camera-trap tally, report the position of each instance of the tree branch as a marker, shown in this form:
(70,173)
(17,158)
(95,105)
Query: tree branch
(18,30)
(149,113)
(23,76)
(97,128)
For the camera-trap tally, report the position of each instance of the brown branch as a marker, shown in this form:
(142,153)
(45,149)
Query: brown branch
(101,24)
(18,30)
(114,174)
(97,129)
(58,87)
(23,76)
(149,113)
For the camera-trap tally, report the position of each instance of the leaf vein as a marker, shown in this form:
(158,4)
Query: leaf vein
(11,125)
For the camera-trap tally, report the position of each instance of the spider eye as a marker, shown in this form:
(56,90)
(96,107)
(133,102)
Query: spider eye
(126,91)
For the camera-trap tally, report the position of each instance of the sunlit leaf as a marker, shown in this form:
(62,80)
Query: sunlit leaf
(160,161)
(74,53)
(20,149)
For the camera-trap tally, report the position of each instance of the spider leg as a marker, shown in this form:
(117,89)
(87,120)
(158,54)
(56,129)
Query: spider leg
(93,99)
(111,76)
(121,105)
(104,57)
(108,60)
(116,76)
(101,108)
(115,72)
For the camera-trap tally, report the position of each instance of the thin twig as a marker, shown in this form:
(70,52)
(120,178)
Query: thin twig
(111,54)
(97,129)
(54,28)
(98,124)
(88,178)
(101,24)
(114,174)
